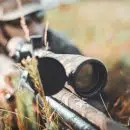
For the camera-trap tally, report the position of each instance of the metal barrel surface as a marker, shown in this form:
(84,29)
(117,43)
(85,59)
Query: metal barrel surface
(70,117)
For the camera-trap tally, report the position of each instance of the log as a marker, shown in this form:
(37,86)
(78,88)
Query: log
(87,111)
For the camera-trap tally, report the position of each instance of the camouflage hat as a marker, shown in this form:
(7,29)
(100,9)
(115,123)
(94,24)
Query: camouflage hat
(9,8)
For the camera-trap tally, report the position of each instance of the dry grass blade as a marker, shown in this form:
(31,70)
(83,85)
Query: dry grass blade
(19,122)
(46,111)
(19,114)
(45,35)
(23,22)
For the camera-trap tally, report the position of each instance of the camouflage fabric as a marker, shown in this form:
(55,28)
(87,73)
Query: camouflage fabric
(9,8)
(59,44)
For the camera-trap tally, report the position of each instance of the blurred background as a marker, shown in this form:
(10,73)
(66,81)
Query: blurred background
(97,27)
(100,29)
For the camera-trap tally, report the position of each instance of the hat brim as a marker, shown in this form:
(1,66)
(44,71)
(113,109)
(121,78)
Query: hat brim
(25,10)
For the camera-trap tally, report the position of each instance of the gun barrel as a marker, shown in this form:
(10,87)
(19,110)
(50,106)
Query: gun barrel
(70,117)
(87,111)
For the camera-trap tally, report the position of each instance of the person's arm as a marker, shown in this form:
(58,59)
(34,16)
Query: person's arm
(59,44)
